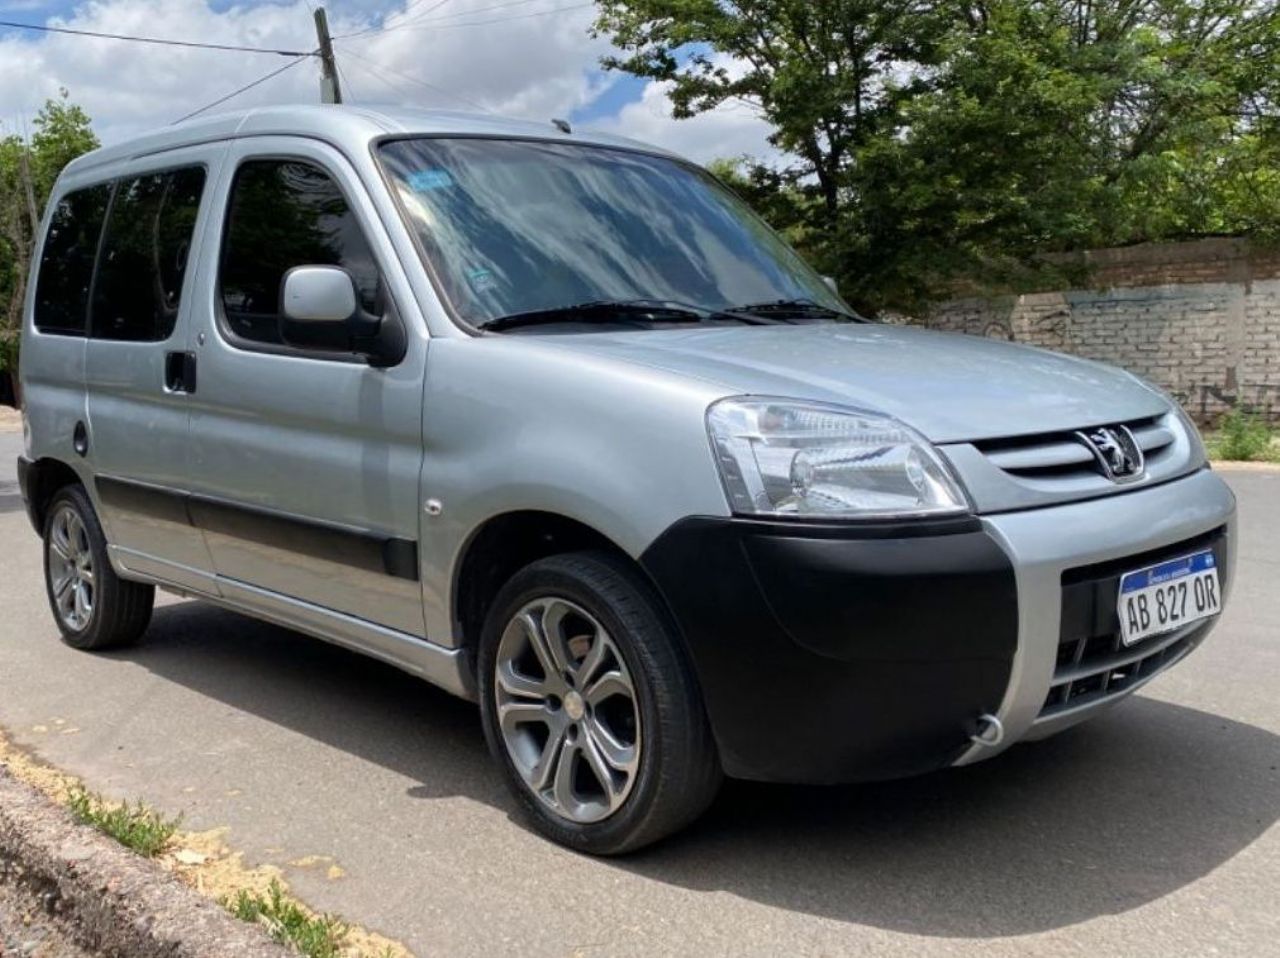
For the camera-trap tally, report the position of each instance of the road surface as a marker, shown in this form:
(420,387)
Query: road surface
(1151,831)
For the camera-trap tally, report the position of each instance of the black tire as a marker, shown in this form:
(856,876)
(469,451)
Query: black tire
(678,769)
(121,610)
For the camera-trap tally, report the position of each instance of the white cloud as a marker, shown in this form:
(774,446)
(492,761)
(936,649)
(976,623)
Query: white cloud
(512,59)
(733,130)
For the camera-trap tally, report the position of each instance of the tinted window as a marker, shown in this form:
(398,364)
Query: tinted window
(66,263)
(285,213)
(144,255)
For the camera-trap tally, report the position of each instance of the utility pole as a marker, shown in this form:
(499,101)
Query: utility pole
(330,90)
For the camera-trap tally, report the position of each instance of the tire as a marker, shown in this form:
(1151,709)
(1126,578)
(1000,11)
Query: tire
(658,730)
(109,611)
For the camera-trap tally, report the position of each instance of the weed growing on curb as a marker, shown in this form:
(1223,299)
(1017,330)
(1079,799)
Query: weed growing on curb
(316,936)
(137,827)
(1243,436)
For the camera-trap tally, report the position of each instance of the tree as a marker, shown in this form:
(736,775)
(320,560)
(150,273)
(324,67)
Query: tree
(957,141)
(28,170)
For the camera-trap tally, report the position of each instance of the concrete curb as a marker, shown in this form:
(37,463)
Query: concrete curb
(109,899)
(1233,465)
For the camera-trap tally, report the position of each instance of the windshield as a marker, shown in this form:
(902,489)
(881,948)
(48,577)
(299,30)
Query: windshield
(516,226)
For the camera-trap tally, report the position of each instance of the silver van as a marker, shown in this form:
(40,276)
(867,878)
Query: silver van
(552,420)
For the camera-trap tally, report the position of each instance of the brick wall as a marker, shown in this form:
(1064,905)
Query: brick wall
(1201,319)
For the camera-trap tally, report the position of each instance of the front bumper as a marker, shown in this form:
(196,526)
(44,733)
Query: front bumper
(841,653)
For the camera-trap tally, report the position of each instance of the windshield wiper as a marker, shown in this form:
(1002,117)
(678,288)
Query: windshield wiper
(780,309)
(624,310)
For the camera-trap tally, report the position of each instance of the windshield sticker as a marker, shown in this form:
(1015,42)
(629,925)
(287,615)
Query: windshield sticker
(481,280)
(424,181)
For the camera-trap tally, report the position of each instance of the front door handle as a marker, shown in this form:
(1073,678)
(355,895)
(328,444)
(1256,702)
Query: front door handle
(180,372)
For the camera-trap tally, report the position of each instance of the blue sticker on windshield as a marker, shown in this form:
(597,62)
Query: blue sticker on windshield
(423,181)
(481,279)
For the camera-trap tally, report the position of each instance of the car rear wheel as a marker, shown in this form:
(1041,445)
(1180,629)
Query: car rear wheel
(591,708)
(94,608)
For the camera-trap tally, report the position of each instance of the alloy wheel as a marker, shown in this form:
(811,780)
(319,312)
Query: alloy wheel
(567,710)
(71,571)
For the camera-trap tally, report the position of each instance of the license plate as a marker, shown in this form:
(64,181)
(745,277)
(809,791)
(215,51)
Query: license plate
(1168,596)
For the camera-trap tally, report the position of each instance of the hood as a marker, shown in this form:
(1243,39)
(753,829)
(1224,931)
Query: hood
(949,386)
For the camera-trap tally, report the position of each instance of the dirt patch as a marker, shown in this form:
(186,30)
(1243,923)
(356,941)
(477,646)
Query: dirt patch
(10,419)
(195,861)
(26,927)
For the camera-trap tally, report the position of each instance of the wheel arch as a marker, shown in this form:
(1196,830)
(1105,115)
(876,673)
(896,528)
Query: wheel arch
(502,545)
(41,481)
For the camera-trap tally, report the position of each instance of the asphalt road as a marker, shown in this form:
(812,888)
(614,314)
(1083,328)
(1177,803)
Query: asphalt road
(1151,831)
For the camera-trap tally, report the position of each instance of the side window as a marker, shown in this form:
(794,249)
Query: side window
(286,213)
(66,263)
(144,255)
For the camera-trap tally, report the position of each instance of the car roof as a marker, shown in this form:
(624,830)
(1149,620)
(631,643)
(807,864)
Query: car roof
(343,126)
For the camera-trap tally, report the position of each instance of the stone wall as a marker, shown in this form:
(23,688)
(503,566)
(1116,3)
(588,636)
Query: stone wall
(1201,319)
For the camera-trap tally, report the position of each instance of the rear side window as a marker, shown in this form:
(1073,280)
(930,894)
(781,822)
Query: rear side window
(66,262)
(286,213)
(144,255)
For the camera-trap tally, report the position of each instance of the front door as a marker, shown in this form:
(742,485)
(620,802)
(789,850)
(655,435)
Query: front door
(305,464)
(148,267)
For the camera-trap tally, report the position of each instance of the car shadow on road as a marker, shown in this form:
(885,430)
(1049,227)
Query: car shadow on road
(1100,820)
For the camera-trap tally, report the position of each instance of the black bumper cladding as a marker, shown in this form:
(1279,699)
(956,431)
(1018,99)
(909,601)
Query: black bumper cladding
(838,652)
(26,470)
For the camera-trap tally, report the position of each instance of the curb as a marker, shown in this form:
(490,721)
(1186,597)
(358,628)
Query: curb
(1235,465)
(109,899)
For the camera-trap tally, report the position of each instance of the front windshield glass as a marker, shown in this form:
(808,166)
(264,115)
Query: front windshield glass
(516,226)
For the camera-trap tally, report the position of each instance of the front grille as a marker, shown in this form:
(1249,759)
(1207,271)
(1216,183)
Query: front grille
(1061,455)
(1093,665)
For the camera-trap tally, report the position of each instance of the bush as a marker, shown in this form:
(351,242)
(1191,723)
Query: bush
(1243,436)
(9,340)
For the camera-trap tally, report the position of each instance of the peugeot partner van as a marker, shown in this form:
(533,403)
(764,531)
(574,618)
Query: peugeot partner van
(552,420)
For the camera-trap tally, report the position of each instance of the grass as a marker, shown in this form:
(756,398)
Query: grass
(1243,437)
(316,936)
(136,826)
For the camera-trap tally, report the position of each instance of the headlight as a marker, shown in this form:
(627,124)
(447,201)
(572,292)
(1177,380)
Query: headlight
(783,458)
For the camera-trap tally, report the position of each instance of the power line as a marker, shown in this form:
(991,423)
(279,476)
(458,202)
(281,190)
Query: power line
(418,24)
(449,25)
(248,86)
(470,13)
(413,3)
(377,70)
(163,42)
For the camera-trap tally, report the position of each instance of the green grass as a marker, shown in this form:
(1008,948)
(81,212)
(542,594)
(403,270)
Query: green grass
(142,829)
(1243,437)
(316,936)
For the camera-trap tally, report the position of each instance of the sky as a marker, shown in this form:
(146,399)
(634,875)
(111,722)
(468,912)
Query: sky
(531,59)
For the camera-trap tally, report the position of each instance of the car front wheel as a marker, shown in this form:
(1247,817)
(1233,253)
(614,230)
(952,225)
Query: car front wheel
(591,707)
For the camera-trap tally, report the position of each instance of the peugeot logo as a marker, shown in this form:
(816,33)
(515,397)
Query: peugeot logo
(1116,451)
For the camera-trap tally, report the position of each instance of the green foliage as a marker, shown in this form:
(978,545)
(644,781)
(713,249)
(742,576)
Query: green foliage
(932,143)
(316,936)
(28,169)
(1243,436)
(9,342)
(137,827)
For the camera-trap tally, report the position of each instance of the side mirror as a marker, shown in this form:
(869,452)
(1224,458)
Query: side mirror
(832,284)
(320,309)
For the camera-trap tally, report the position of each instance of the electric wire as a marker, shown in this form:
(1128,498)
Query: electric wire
(376,69)
(156,40)
(248,86)
(447,23)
